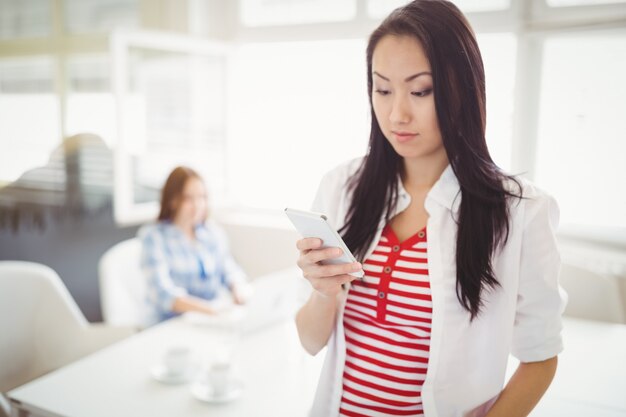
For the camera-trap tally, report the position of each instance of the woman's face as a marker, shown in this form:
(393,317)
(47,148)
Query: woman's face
(191,206)
(403,98)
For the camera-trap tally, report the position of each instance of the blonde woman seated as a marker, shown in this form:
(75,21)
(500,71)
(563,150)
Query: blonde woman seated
(186,258)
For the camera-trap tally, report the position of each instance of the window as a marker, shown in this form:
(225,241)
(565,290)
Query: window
(381,8)
(29,114)
(90,104)
(293,12)
(87,16)
(561,104)
(470,6)
(296,86)
(567,3)
(307,101)
(581,147)
(170,94)
(25,18)
(175,115)
(499,52)
(299,109)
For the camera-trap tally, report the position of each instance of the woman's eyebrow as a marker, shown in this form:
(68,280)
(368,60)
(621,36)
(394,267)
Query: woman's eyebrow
(407,79)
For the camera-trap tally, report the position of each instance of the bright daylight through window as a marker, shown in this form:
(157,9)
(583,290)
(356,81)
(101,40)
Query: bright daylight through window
(293,85)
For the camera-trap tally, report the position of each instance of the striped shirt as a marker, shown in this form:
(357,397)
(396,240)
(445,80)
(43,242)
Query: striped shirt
(387,322)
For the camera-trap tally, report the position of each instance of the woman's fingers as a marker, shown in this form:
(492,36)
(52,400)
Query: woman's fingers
(334,270)
(311,271)
(309,254)
(308,243)
(326,279)
(317,255)
(330,285)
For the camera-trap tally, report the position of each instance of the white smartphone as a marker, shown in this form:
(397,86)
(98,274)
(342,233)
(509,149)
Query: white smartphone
(311,224)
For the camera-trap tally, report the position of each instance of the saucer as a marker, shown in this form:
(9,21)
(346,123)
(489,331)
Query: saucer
(205,392)
(164,375)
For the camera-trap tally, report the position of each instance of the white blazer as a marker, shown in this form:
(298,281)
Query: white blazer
(467,363)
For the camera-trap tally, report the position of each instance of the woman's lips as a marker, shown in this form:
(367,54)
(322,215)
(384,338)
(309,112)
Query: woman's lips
(404,136)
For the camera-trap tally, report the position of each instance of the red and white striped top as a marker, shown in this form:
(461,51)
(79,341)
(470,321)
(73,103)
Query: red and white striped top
(387,322)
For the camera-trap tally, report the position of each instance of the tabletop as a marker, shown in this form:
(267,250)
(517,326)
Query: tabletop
(278,377)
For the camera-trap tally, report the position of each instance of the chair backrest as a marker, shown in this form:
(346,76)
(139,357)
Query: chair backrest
(261,250)
(591,295)
(37,317)
(122,285)
(5,408)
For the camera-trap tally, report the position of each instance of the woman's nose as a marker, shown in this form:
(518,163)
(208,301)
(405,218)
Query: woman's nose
(400,111)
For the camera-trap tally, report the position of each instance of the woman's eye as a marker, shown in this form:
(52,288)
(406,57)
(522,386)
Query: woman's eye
(382,92)
(422,93)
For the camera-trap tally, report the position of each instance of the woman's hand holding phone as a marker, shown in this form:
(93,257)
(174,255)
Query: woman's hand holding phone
(328,279)
(327,264)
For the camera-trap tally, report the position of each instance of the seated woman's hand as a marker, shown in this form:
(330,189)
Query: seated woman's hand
(241,293)
(325,279)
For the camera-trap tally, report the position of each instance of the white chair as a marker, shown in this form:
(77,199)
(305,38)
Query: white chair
(123,287)
(41,327)
(4,406)
(591,295)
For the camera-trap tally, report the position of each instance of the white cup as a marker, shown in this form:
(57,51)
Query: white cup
(219,377)
(176,360)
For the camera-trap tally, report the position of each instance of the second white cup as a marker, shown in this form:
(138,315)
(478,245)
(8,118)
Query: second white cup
(177,360)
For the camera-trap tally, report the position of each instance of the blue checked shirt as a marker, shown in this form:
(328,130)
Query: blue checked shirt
(175,266)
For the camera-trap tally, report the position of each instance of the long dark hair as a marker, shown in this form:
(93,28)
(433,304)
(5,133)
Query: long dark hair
(459,93)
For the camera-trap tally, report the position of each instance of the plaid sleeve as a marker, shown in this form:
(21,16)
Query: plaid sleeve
(161,290)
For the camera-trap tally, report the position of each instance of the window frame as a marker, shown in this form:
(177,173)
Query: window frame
(532,22)
(126,211)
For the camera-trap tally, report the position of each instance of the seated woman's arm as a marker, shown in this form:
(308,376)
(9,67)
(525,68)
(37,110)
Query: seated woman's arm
(234,276)
(190,303)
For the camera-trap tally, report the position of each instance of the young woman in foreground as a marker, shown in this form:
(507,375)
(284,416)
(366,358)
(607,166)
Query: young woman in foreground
(460,259)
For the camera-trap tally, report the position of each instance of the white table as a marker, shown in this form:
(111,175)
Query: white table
(280,378)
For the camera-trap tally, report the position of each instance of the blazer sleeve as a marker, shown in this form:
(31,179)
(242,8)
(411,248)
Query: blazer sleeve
(540,299)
